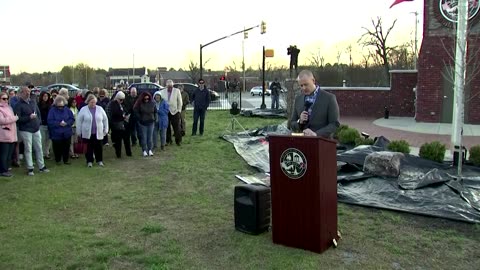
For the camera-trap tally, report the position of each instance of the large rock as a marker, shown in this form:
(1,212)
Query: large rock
(383,163)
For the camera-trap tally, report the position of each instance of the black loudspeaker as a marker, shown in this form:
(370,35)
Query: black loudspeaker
(252,208)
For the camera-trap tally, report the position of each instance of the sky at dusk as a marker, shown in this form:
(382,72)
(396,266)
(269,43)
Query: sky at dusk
(46,35)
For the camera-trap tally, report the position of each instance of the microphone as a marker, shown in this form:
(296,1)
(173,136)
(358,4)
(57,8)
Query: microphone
(307,104)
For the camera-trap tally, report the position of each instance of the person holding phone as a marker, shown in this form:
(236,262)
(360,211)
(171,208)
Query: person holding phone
(29,119)
(60,121)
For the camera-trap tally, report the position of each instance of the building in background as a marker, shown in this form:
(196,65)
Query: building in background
(5,75)
(126,76)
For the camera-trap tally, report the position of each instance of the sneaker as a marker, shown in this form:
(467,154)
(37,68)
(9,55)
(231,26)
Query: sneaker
(20,156)
(145,154)
(101,164)
(150,153)
(6,174)
(44,170)
(107,144)
(89,164)
(30,172)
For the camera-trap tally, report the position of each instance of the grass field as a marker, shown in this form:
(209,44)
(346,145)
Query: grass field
(175,211)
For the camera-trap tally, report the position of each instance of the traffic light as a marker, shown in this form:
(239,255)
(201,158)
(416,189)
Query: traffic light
(245,34)
(263,28)
(222,78)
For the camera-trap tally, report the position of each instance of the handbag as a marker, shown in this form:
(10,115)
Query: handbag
(118,125)
(79,147)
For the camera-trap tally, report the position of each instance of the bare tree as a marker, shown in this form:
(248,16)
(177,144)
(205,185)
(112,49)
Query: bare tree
(366,60)
(378,39)
(472,67)
(193,71)
(317,60)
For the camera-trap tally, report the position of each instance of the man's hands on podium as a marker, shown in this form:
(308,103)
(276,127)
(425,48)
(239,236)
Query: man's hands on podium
(309,132)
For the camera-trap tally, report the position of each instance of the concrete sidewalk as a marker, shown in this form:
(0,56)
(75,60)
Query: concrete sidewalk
(409,124)
(405,128)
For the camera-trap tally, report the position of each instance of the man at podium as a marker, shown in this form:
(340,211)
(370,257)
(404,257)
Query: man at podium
(315,112)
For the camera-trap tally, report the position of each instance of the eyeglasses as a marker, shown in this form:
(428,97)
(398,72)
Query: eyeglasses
(4,98)
(201,83)
(102,96)
(146,99)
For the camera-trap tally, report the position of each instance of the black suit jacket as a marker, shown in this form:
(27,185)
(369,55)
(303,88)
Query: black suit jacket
(324,117)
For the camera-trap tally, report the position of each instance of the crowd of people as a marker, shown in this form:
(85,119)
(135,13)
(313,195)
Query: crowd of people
(30,125)
(55,122)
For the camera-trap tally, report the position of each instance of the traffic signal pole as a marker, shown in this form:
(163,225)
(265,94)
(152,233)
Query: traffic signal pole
(264,90)
(218,39)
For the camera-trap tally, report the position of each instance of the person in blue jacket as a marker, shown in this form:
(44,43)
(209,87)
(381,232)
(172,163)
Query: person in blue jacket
(60,121)
(162,123)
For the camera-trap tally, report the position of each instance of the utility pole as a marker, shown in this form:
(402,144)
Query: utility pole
(415,50)
(264,91)
(459,85)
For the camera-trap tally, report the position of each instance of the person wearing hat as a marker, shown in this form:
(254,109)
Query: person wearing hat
(200,102)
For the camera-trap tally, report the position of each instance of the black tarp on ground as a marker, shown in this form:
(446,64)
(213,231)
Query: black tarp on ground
(423,187)
(265,113)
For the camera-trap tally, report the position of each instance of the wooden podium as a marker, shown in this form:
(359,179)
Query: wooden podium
(303,180)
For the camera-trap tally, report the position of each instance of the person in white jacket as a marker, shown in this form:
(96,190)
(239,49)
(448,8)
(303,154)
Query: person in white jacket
(174,98)
(92,126)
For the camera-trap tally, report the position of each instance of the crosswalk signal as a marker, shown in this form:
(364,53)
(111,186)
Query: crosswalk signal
(263,28)
(245,34)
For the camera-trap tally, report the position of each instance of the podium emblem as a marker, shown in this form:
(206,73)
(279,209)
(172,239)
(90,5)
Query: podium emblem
(293,163)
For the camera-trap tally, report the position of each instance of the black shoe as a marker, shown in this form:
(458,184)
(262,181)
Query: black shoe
(6,174)
(16,165)
(194,134)
(179,144)
(67,163)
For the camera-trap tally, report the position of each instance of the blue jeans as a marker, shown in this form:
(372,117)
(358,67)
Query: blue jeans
(275,102)
(163,136)
(147,136)
(198,113)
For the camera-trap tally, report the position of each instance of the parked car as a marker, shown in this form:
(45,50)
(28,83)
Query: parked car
(146,86)
(257,90)
(190,87)
(72,89)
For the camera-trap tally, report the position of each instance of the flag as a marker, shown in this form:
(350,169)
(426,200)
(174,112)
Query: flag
(398,2)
